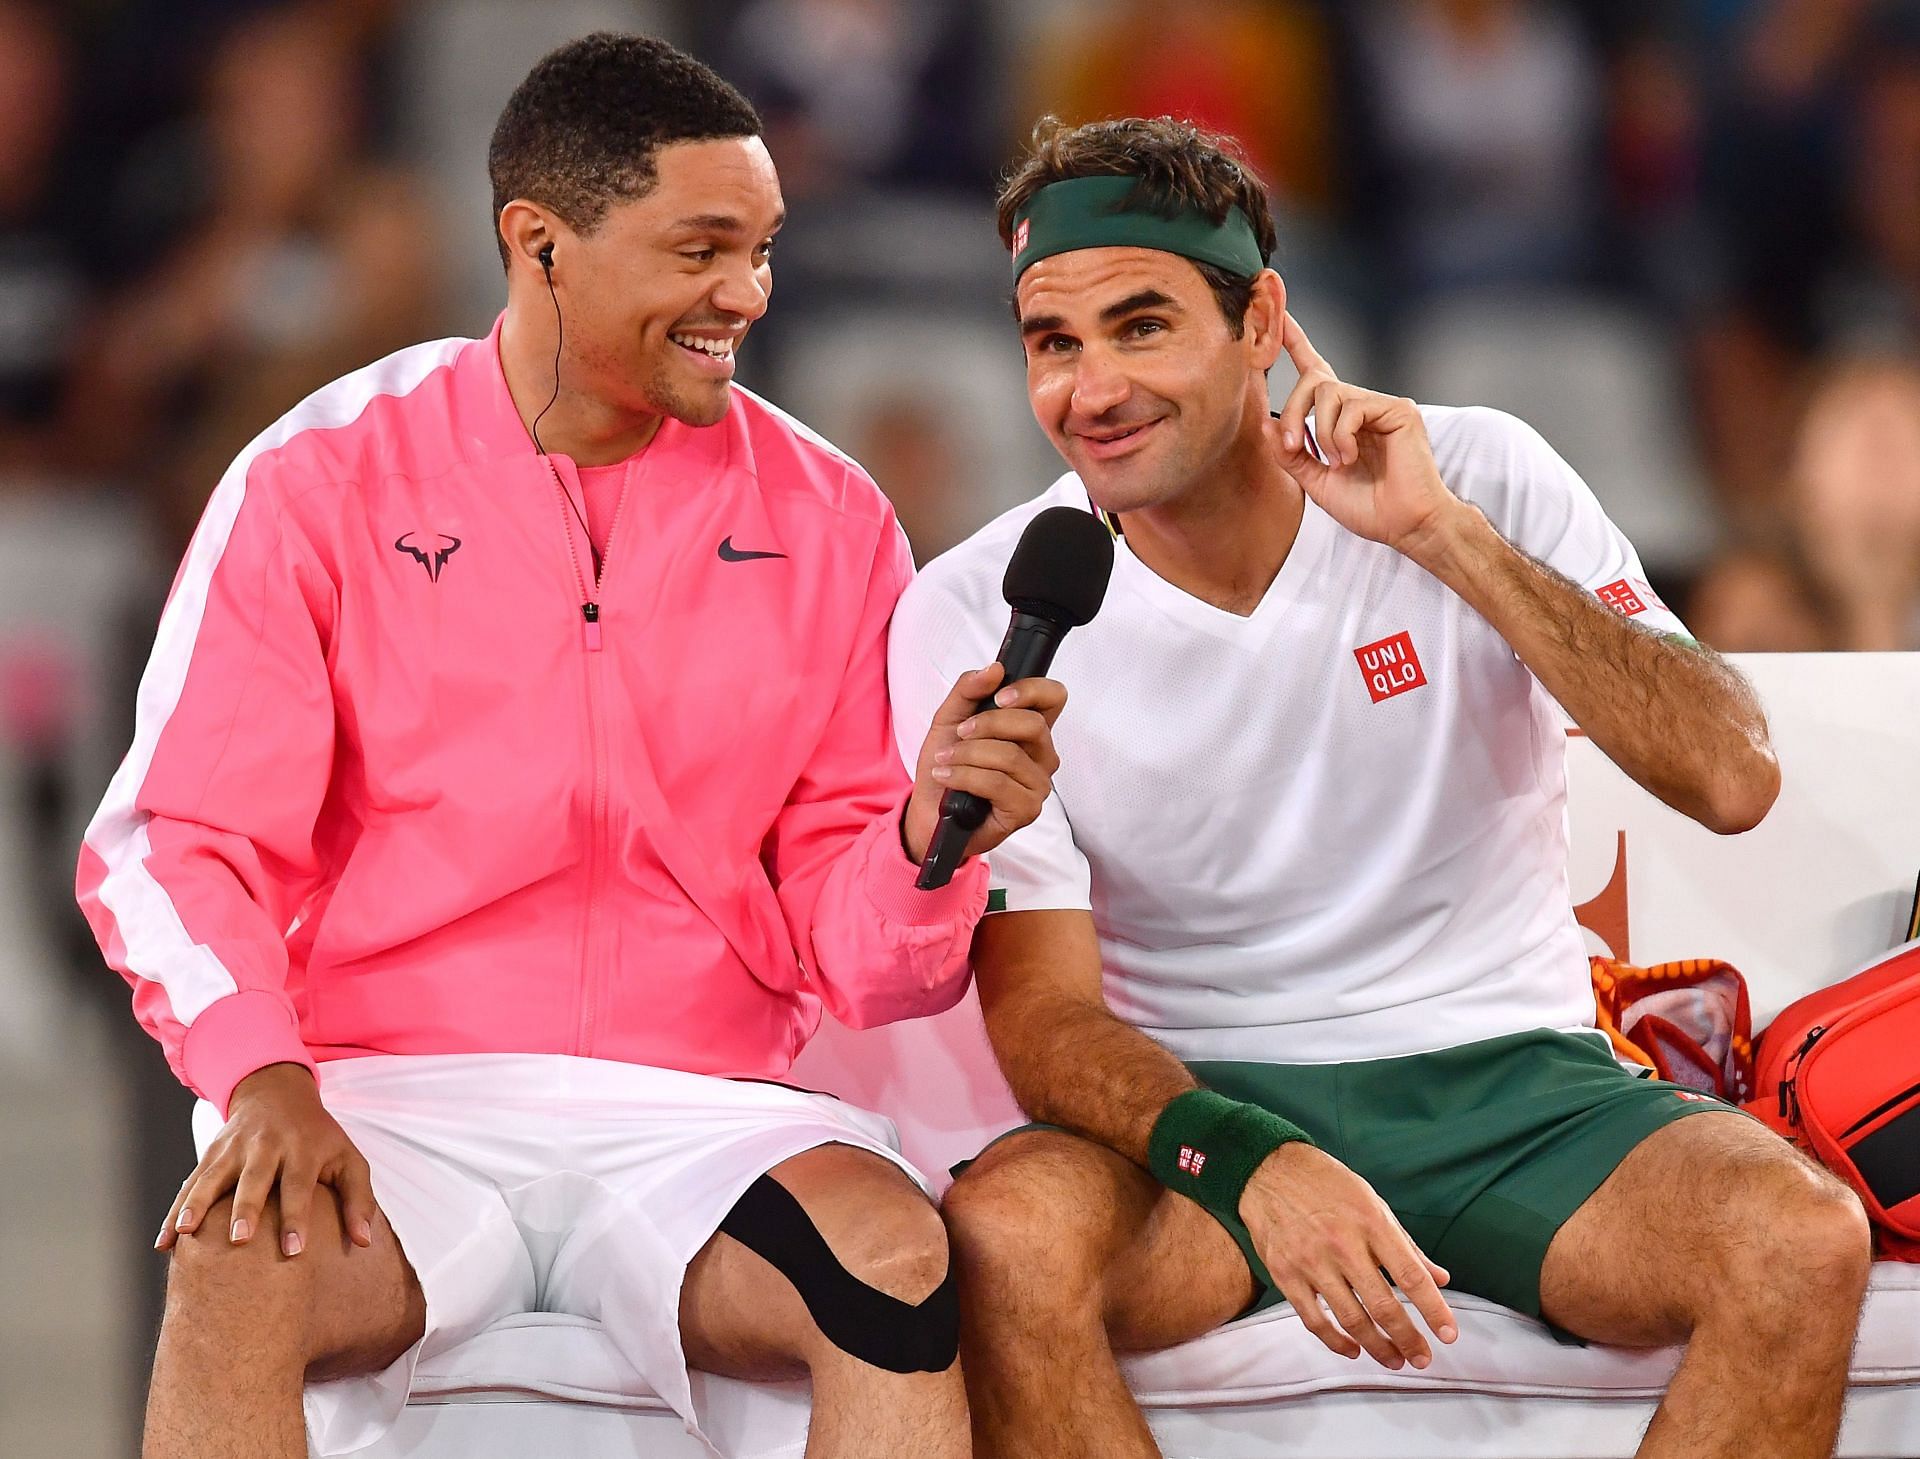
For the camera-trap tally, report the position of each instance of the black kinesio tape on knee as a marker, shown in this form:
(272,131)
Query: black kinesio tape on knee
(902,1337)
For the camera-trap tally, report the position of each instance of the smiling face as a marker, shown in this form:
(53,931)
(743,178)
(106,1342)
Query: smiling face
(659,295)
(1134,373)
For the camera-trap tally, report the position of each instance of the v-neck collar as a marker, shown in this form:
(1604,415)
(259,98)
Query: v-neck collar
(1296,570)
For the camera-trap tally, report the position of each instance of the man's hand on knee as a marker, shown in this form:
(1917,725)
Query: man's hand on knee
(1325,1235)
(277,1135)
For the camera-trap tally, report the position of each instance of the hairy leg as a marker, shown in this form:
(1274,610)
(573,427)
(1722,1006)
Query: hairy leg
(1069,1253)
(1717,1233)
(245,1327)
(741,1317)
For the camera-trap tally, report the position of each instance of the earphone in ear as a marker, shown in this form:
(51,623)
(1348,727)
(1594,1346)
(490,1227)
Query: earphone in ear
(545,255)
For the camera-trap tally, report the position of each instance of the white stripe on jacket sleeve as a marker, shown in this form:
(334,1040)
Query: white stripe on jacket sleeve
(158,946)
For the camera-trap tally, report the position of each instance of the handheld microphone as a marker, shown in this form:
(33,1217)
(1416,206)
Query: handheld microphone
(1055,580)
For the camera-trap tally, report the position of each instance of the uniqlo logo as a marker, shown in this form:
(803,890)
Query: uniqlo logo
(1020,234)
(1390,667)
(1622,597)
(1192,1161)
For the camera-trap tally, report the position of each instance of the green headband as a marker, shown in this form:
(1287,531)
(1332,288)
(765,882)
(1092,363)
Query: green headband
(1100,212)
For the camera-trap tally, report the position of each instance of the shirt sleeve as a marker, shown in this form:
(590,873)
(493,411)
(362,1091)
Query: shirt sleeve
(873,947)
(934,641)
(1541,505)
(1039,867)
(202,851)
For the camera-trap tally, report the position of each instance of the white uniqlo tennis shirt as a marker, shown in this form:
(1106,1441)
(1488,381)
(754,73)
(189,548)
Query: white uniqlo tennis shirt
(1331,830)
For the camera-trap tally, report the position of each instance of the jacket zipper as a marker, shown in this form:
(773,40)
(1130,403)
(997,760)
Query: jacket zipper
(591,635)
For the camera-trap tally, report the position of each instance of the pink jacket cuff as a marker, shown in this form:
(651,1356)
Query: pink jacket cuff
(890,877)
(236,1035)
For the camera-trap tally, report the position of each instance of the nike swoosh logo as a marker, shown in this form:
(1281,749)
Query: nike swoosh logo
(730,553)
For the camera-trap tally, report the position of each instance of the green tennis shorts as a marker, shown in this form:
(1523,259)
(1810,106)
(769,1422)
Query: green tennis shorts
(1483,1151)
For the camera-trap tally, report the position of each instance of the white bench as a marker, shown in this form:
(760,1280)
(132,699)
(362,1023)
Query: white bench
(1822,886)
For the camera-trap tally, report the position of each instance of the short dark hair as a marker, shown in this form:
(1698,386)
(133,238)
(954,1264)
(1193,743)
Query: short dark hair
(580,133)
(1179,165)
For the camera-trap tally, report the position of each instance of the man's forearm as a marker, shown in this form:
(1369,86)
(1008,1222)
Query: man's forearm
(1075,1065)
(1673,715)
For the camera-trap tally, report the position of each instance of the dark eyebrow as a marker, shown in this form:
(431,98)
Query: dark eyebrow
(1133,303)
(722,223)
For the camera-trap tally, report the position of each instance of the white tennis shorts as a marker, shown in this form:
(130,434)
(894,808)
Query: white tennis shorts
(542,1183)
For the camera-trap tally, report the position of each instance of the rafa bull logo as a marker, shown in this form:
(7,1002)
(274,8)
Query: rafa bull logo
(433,557)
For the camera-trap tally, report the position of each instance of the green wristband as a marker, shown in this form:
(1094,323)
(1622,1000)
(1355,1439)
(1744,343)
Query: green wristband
(1207,1146)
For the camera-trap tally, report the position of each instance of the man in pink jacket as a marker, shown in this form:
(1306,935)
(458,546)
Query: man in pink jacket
(512,787)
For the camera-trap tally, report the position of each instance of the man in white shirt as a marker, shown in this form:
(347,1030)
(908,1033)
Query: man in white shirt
(1288,967)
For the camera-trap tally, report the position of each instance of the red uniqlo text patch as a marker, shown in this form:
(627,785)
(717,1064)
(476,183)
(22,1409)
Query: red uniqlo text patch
(1629,597)
(1390,667)
(1623,597)
(1192,1161)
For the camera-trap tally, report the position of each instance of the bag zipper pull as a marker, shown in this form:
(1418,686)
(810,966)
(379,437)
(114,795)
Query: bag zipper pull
(1812,1038)
(1789,1095)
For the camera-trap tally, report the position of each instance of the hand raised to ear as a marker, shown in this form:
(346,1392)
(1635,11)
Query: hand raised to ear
(1378,479)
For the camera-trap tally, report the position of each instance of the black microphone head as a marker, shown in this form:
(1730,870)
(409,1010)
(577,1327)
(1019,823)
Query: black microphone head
(1060,568)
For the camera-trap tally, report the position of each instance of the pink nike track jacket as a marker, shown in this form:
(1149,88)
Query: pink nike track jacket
(406,780)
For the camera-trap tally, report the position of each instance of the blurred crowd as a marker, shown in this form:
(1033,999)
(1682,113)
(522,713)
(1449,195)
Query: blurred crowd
(1682,237)
(1684,232)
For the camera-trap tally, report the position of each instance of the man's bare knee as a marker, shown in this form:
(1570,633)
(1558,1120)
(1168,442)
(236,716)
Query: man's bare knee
(208,1257)
(1022,1220)
(900,1249)
(1800,1244)
(216,1283)
(1822,1236)
(1054,1236)
(285,1307)
(866,1284)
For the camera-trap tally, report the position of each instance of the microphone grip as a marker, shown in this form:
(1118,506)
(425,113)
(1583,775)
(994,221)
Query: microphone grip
(1025,653)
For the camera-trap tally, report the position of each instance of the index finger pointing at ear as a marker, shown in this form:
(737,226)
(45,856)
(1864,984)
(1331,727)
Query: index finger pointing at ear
(1293,339)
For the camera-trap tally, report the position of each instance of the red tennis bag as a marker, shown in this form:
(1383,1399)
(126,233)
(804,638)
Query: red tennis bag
(1838,1073)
